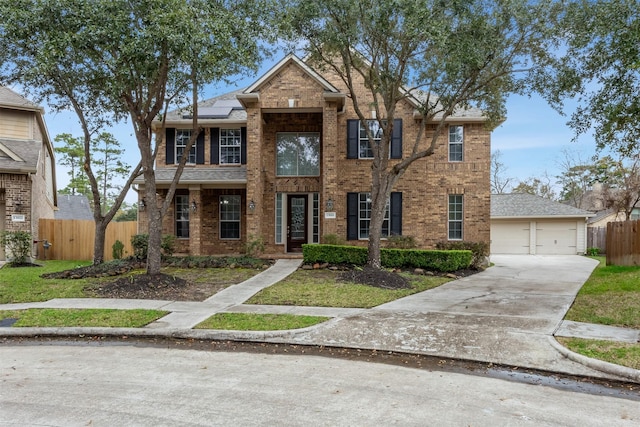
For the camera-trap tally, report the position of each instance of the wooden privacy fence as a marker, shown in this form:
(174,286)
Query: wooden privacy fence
(597,238)
(623,243)
(74,239)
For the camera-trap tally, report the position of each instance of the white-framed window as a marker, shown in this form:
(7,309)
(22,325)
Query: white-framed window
(182,140)
(230,148)
(182,216)
(230,210)
(455,216)
(364,216)
(365,151)
(298,154)
(279,215)
(456,143)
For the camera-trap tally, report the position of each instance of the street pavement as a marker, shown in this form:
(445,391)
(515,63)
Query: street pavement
(507,315)
(126,385)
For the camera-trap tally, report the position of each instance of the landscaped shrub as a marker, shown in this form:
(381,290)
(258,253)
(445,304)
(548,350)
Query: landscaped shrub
(480,250)
(593,251)
(117,249)
(332,239)
(168,244)
(140,243)
(18,245)
(394,258)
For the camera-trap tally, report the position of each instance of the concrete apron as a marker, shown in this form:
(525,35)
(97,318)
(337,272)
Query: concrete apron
(504,315)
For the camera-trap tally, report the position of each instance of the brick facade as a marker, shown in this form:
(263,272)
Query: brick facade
(293,100)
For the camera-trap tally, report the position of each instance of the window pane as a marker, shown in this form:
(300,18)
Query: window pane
(364,216)
(182,139)
(455,217)
(182,216)
(365,151)
(298,154)
(278,217)
(456,141)
(229,146)
(230,217)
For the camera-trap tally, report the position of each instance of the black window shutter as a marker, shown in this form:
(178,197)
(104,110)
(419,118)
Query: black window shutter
(170,142)
(396,213)
(215,146)
(352,216)
(396,139)
(243,145)
(200,148)
(353,128)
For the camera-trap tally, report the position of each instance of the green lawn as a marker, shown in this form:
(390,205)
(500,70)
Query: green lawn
(611,296)
(47,317)
(321,288)
(259,322)
(24,284)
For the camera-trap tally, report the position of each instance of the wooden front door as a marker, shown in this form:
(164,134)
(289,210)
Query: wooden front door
(296,222)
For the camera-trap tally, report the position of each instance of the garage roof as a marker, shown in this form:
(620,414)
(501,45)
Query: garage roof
(516,205)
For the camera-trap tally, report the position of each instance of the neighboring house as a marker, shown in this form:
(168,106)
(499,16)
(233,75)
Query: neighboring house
(287,162)
(73,207)
(27,167)
(529,224)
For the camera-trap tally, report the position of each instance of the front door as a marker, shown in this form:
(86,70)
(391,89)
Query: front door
(296,222)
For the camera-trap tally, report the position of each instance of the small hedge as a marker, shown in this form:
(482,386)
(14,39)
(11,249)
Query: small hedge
(480,250)
(392,258)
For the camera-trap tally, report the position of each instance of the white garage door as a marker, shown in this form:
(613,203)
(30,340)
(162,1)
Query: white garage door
(509,237)
(556,238)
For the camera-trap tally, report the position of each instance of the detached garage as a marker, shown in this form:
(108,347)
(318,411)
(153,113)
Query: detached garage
(528,224)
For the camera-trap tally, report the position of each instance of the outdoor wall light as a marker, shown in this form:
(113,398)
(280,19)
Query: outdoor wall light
(18,206)
(194,206)
(329,204)
(143,205)
(252,205)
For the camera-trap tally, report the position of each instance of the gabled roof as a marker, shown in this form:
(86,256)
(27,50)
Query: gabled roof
(23,157)
(291,58)
(10,99)
(73,207)
(516,205)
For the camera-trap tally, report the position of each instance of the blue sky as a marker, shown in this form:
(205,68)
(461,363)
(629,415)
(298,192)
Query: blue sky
(532,140)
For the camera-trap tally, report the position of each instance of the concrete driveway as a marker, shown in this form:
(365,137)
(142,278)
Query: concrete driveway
(506,315)
(535,287)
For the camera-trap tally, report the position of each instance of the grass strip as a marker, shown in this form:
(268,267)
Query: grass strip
(321,288)
(50,317)
(624,354)
(259,322)
(611,296)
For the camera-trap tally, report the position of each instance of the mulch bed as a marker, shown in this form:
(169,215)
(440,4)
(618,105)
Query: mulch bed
(376,277)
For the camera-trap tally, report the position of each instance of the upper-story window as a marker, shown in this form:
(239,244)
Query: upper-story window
(456,143)
(298,154)
(359,146)
(182,140)
(365,151)
(230,146)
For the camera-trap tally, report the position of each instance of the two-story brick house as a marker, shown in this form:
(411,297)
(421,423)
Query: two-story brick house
(27,167)
(286,160)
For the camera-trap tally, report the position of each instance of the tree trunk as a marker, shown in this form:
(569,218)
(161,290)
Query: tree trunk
(154,255)
(379,197)
(98,245)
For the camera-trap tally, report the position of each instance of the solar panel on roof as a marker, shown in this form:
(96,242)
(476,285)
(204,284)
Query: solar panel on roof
(233,103)
(211,113)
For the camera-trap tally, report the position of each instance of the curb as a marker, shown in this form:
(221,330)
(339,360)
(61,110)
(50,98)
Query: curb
(598,365)
(203,334)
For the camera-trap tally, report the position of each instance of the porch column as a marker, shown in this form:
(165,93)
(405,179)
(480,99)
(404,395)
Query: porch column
(255,180)
(330,200)
(195,221)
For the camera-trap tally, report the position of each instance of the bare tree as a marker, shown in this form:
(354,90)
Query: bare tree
(499,182)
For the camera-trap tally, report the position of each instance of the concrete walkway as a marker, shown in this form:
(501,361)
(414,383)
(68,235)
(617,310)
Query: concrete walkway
(505,315)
